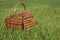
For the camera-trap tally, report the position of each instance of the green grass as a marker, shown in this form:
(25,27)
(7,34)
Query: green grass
(47,13)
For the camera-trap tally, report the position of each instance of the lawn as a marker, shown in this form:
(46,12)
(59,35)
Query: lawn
(47,13)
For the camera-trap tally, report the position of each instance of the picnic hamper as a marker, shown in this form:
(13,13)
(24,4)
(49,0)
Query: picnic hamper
(21,20)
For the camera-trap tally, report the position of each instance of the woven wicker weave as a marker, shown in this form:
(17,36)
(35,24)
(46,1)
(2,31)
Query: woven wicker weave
(22,20)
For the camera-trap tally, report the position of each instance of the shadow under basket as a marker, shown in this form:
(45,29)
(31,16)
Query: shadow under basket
(22,20)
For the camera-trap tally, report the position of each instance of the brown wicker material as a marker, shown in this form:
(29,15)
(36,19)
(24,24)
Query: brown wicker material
(23,20)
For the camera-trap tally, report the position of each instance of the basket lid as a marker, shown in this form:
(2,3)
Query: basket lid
(25,14)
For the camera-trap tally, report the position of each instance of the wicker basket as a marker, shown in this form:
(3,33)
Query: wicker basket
(22,20)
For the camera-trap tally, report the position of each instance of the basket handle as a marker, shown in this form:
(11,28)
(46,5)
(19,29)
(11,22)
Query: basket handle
(18,5)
